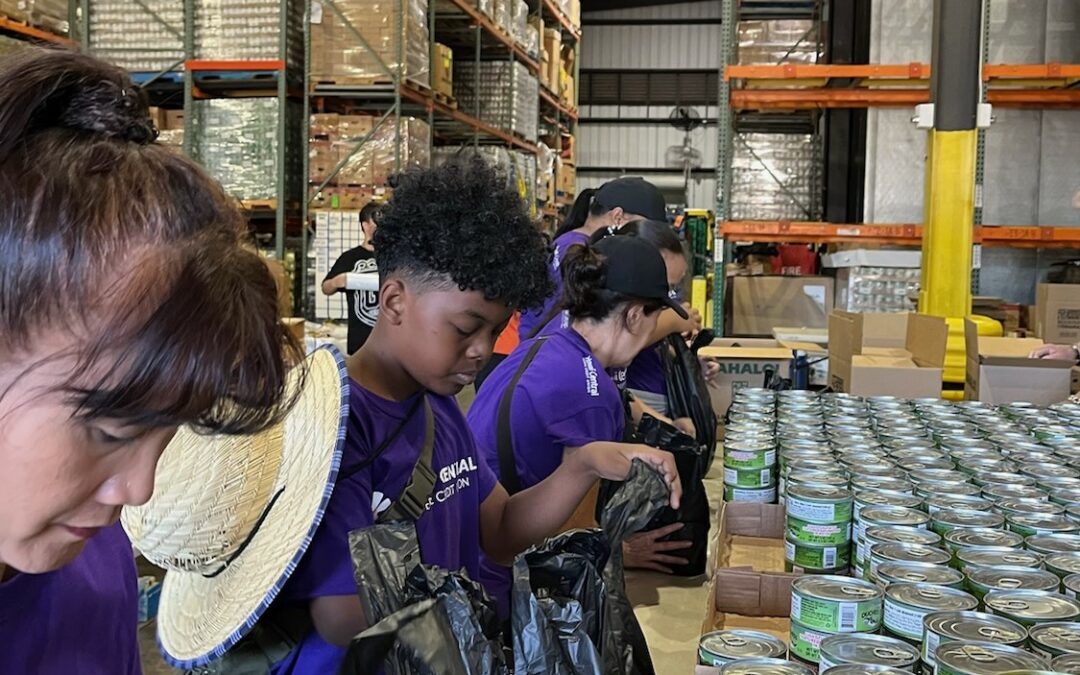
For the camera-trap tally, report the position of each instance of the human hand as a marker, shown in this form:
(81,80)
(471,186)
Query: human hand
(693,323)
(643,551)
(612,461)
(1062,352)
(685,425)
(709,368)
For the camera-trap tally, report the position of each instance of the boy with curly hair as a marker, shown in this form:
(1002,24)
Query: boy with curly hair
(457,253)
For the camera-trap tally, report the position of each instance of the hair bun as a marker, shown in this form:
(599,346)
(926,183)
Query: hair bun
(112,109)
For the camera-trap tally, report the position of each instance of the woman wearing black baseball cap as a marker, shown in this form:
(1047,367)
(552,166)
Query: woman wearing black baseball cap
(613,204)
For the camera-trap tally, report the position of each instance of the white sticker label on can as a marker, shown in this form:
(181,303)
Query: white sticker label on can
(849,613)
(770,457)
(789,553)
(796,606)
(828,558)
(930,645)
(825,664)
(904,621)
(766,477)
(731,476)
(811,511)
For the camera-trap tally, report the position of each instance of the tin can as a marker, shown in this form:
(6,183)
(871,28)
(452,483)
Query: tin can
(919,573)
(998,493)
(928,490)
(879,497)
(818,534)
(835,604)
(1031,525)
(759,496)
(982,580)
(819,504)
(765,667)
(1063,564)
(800,557)
(943,475)
(943,627)
(749,478)
(1038,471)
(890,535)
(1054,639)
(981,537)
(724,646)
(1066,663)
(984,658)
(934,504)
(946,520)
(1053,543)
(1069,488)
(1070,586)
(906,605)
(1028,507)
(814,479)
(987,478)
(867,650)
(1073,511)
(880,553)
(886,516)
(862,669)
(1029,608)
(805,643)
(989,557)
(1066,497)
(762,456)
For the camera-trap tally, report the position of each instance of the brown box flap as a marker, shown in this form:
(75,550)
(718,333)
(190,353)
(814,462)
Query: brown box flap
(770,353)
(927,337)
(887,330)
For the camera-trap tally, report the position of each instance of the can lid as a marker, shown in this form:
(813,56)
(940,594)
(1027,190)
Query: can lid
(1049,471)
(1009,578)
(983,537)
(1059,636)
(931,597)
(868,649)
(1030,507)
(863,669)
(1044,523)
(765,667)
(893,515)
(1036,605)
(988,557)
(820,493)
(916,572)
(985,657)
(998,492)
(740,644)
(841,589)
(1066,663)
(969,518)
(1053,543)
(959,502)
(899,534)
(975,626)
(910,553)
(1068,562)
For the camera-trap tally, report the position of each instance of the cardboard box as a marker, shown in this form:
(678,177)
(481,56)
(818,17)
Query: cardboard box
(442,70)
(999,371)
(566,181)
(887,354)
(284,286)
(553,46)
(1057,313)
(744,362)
(174,119)
(760,304)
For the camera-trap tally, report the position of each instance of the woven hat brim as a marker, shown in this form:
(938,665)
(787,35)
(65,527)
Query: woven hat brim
(200,618)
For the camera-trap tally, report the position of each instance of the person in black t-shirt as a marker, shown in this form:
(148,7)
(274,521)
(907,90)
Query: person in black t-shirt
(363,306)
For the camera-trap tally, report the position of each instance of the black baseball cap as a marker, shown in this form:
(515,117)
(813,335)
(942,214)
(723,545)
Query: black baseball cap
(636,268)
(634,195)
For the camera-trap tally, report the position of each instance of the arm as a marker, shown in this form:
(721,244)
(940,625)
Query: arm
(1062,352)
(333,284)
(509,525)
(338,618)
(669,323)
(639,409)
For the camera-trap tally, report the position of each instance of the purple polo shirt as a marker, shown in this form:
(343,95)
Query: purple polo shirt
(646,371)
(564,400)
(449,531)
(81,618)
(531,318)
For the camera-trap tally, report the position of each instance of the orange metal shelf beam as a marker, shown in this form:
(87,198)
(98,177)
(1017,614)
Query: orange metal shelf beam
(202,65)
(556,11)
(9,26)
(905,71)
(549,98)
(823,97)
(425,98)
(902,234)
(480,19)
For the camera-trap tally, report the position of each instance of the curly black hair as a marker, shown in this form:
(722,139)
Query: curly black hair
(459,224)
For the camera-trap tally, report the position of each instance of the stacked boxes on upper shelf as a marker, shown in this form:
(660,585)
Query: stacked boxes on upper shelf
(519,167)
(129,35)
(49,14)
(552,59)
(339,57)
(774,177)
(442,71)
(248,30)
(501,93)
(869,280)
(236,140)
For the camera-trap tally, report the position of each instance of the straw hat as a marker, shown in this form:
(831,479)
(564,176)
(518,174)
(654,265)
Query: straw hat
(231,516)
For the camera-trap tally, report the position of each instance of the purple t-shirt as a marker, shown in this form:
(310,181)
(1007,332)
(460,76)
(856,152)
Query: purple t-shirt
(646,371)
(563,400)
(81,618)
(449,532)
(531,318)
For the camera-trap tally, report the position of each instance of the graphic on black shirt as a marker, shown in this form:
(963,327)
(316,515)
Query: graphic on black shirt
(362,306)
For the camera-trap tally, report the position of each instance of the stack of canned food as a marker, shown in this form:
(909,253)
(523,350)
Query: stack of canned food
(750,448)
(961,523)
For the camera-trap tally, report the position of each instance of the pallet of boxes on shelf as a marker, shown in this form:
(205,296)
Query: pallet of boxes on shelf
(869,280)
(338,57)
(520,168)
(128,34)
(52,15)
(248,30)
(501,93)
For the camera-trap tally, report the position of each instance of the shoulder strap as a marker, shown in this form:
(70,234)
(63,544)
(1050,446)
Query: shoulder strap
(547,318)
(413,500)
(504,438)
(349,472)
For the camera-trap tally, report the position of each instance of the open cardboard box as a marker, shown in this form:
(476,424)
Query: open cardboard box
(749,588)
(999,371)
(744,362)
(761,303)
(1057,313)
(887,354)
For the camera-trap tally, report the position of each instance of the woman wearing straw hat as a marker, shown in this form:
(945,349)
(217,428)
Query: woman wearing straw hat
(127,308)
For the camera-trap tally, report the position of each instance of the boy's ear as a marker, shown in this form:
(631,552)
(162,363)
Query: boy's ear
(393,297)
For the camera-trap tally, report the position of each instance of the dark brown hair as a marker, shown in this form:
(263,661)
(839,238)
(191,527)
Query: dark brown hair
(132,250)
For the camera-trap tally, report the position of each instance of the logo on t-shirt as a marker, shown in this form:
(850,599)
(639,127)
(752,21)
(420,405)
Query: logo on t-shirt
(379,503)
(366,303)
(453,478)
(591,381)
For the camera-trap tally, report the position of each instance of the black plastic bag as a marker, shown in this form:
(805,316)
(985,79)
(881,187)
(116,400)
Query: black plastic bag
(570,612)
(423,620)
(688,391)
(693,511)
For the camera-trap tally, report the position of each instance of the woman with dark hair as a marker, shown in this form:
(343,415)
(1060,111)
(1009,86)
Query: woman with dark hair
(128,307)
(556,387)
(614,204)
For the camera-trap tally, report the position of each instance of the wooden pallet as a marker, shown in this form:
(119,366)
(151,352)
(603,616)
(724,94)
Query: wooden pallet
(445,99)
(366,81)
(259,204)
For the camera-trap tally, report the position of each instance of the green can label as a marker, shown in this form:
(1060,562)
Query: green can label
(818,534)
(817,557)
(751,478)
(819,512)
(830,616)
(750,459)
(806,642)
(758,496)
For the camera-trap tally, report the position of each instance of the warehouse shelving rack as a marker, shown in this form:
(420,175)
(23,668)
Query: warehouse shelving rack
(25,31)
(815,87)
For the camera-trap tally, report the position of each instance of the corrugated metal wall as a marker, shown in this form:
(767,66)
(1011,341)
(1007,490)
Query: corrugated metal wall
(642,47)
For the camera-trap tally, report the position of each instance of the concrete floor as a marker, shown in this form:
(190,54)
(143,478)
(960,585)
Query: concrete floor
(670,609)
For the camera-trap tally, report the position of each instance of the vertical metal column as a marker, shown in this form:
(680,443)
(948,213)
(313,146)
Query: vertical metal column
(282,134)
(305,160)
(189,83)
(725,148)
(399,80)
(980,149)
